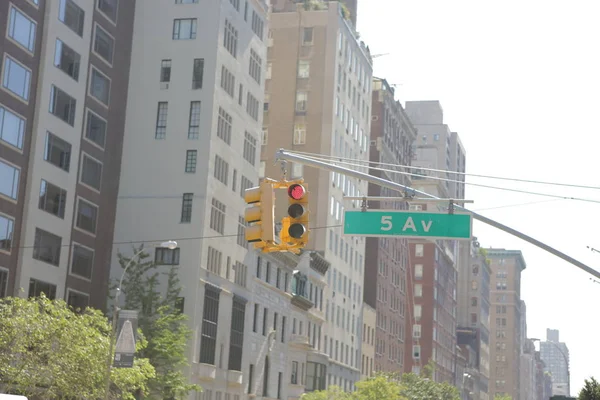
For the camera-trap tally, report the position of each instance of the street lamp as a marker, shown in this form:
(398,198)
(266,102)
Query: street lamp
(171,245)
(564,356)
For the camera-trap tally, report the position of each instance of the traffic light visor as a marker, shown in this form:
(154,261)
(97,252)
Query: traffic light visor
(296,191)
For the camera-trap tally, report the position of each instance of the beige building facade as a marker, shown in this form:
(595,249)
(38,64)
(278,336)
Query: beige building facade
(505,321)
(317,100)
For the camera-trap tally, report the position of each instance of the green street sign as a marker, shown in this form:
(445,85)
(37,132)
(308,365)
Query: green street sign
(408,224)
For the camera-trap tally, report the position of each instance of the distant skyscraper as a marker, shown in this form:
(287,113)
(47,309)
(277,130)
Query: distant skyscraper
(555,355)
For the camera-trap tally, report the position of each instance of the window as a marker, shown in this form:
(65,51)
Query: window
(241,233)
(186,1)
(230,38)
(299,134)
(6,232)
(279,383)
(221,169)
(210,317)
(3,283)
(251,368)
(82,261)
(12,128)
(418,290)
(283,324)
(227,81)
(16,78)
(301,100)
(303,69)
(186,207)
(165,71)
(250,148)
(87,216)
(191,157)
(217,216)
(161,120)
(255,319)
(198,73)
(416,331)
(236,5)
(265,386)
(416,352)
(418,250)
(418,271)
(71,15)
(265,319)
(241,273)
(252,106)
(109,8)
(95,129)
(62,105)
(67,59)
(57,152)
(224,126)
(46,247)
(194,122)
(264,138)
(258,25)
(36,288)
(100,86)
(316,374)
(269,71)
(214,259)
(307,36)
(255,66)
(91,172)
(104,44)
(236,336)
(294,375)
(77,300)
(166,256)
(9,180)
(52,199)
(185,29)
(245,183)
(22,29)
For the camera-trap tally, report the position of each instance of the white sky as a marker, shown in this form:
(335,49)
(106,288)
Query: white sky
(520,82)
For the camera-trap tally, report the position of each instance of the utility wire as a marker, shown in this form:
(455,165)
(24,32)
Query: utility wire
(460,182)
(180,239)
(331,158)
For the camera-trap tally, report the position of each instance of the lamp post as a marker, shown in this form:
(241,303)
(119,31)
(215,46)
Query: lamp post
(172,245)
(564,356)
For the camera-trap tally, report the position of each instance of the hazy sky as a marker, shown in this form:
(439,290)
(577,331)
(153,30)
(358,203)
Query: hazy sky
(520,82)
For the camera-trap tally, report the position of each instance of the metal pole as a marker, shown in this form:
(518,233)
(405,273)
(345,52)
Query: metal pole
(282,154)
(114,326)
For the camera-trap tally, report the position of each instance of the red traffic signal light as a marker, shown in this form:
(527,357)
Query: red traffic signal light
(296,191)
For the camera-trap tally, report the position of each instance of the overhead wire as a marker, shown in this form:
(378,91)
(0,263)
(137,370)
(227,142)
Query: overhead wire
(177,239)
(354,164)
(368,162)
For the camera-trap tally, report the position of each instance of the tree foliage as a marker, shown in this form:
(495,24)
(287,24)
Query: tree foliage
(49,351)
(590,390)
(390,386)
(503,397)
(161,322)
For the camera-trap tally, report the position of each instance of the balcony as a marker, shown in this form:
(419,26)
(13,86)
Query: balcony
(299,341)
(299,298)
(234,378)
(205,372)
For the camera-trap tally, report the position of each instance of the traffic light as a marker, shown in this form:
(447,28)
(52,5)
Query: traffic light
(298,215)
(259,217)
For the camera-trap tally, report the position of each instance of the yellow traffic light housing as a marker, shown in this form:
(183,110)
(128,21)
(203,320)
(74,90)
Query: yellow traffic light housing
(298,215)
(259,217)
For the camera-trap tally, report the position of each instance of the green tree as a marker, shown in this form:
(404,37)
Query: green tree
(503,397)
(423,387)
(590,390)
(381,386)
(49,351)
(161,322)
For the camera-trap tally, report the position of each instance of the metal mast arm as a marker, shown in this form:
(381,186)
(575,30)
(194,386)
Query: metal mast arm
(282,154)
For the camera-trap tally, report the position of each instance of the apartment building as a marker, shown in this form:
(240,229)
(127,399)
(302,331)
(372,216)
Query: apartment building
(65,67)
(555,355)
(505,321)
(193,127)
(369,320)
(281,357)
(392,136)
(473,318)
(432,287)
(317,100)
